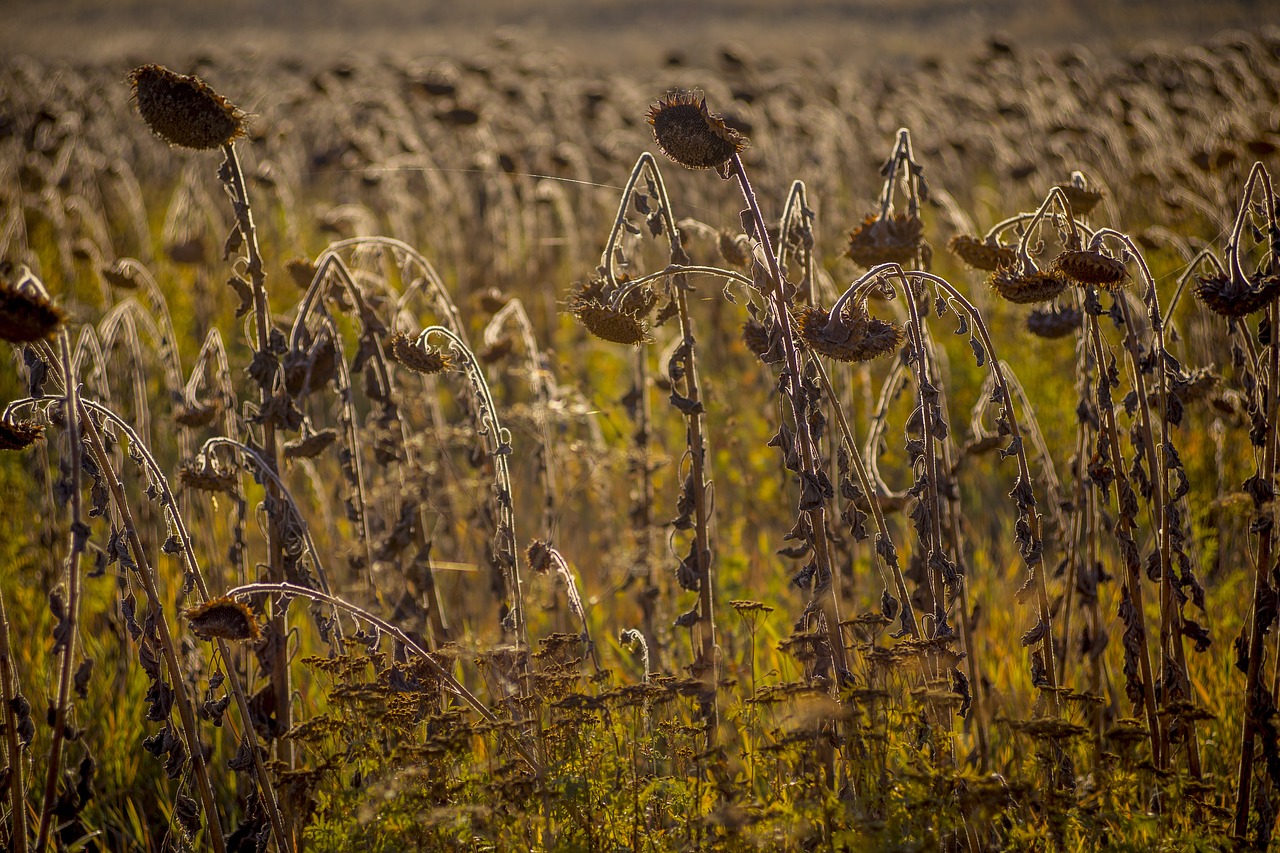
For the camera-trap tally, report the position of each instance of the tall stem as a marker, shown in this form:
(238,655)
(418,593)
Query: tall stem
(792,389)
(78,536)
(9,693)
(1124,527)
(1262,590)
(233,179)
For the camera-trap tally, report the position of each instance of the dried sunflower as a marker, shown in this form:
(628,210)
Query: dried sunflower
(1089,267)
(981,254)
(690,134)
(621,325)
(1231,296)
(182,110)
(894,239)
(207,477)
(1025,288)
(1056,322)
(223,619)
(25,315)
(855,336)
(1082,200)
(19,435)
(428,360)
(310,445)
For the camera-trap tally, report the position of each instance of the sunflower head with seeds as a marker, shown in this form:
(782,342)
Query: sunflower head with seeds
(691,135)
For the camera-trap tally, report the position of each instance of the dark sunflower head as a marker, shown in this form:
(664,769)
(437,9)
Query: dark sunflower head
(182,110)
(764,341)
(982,254)
(893,239)
(195,414)
(1088,267)
(1236,297)
(690,134)
(539,556)
(19,435)
(204,476)
(1081,198)
(25,315)
(1025,288)
(624,324)
(223,619)
(428,360)
(854,336)
(1055,322)
(310,445)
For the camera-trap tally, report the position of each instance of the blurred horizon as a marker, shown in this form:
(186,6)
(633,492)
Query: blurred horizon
(606,34)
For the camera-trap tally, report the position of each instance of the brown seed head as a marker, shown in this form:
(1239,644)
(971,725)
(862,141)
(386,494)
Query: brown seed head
(760,340)
(735,249)
(223,619)
(182,110)
(25,315)
(429,360)
(1026,288)
(310,446)
(691,135)
(491,301)
(896,239)
(981,254)
(622,325)
(497,351)
(1056,322)
(1086,267)
(19,435)
(196,414)
(539,556)
(208,478)
(856,336)
(302,271)
(1082,200)
(1232,297)
(121,276)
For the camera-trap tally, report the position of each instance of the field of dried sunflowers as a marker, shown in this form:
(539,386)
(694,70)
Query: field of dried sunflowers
(486,454)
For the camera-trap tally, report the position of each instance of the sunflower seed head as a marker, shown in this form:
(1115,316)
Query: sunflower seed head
(182,110)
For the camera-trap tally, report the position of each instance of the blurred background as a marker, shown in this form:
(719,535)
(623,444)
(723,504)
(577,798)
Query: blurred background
(609,32)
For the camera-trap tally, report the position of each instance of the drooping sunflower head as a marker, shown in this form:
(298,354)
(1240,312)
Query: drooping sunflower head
(690,134)
(183,110)
(1027,287)
(25,314)
(1089,267)
(223,618)
(982,254)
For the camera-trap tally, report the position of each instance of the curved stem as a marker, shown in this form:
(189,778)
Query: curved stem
(78,536)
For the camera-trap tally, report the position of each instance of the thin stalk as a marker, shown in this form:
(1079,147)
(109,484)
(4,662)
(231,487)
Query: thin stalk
(877,512)
(1170,615)
(9,693)
(791,387)
(1262,590)
(186,712)
(232,177)
(707,664)
(1134,575)
(79,534)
